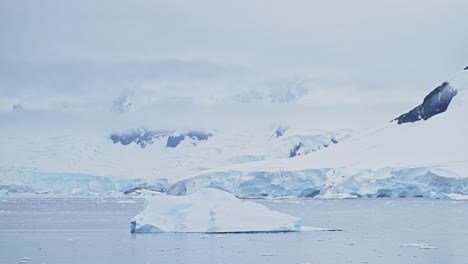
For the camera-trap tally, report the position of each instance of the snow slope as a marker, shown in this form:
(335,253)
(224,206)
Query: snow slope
(426,158)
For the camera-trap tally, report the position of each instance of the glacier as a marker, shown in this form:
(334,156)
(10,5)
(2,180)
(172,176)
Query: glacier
(209,211)
(427,182)
(15,180)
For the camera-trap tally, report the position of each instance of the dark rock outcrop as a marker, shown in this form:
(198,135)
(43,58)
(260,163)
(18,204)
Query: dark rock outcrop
(17,108)
(141,137)
(434,103)
(280,131)
(466,68)
(174,140)
(144,137)
(295,149)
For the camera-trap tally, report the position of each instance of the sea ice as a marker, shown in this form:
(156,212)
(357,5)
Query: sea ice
(209,211)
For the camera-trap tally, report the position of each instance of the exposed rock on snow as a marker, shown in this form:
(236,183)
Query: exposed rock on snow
(141,137)
(174,140)
(17,108)
(434,103)
(280,131)
(144,137)
(210,211)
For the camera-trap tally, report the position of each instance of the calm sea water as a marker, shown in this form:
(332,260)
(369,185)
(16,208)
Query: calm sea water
(91,230)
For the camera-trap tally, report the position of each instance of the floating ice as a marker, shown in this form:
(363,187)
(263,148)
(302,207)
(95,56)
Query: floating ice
(420,246)
(126,202)
(210,211)
(312,228)
(457,196)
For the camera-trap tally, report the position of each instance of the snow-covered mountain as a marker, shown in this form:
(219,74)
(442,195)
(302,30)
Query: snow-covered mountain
(121,160)
(423,154)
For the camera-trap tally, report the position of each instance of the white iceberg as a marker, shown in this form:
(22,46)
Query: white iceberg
(209,211)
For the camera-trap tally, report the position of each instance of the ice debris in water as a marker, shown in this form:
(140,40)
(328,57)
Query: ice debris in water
(210,211)
(420,246)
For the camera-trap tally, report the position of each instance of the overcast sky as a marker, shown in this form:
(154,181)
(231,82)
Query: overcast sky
(326,53)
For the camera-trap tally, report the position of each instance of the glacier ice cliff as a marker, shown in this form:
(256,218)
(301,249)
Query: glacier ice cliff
(26,180)
(428,182)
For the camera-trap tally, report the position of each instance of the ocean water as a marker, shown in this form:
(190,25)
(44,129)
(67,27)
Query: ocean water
(96,230)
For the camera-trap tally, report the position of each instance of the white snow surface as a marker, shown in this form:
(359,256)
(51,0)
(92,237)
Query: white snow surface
(425,158)
(210,211)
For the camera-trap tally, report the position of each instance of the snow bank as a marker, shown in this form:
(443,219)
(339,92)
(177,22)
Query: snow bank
(209,211)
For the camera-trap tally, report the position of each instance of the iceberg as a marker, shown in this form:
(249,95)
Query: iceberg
(209,211)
